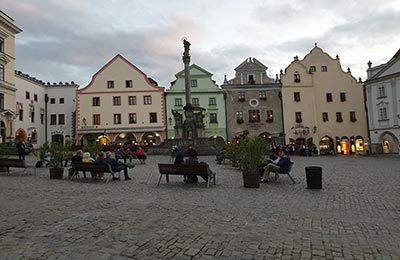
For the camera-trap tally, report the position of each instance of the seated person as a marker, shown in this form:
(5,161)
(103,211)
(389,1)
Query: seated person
(279,165)
(86,158)
(220,157)
(141,155)
(115,165)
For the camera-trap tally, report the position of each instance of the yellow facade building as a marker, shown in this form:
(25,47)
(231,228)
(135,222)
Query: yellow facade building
(323,105)
(8,30)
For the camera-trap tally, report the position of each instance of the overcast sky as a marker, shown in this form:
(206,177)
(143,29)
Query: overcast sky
(70,40)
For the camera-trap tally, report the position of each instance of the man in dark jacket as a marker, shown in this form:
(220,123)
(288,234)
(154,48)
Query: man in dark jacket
(279,166)
(116,165)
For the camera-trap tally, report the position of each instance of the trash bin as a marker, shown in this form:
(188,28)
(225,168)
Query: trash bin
(314,177)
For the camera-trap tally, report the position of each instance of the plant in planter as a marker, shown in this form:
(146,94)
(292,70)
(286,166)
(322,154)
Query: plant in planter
(250,153)
(58,152)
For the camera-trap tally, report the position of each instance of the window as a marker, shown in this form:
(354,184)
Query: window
(270,116)
(52,100)
(195,101)
(239,115)
(325,116)
(328,97)
(1,101)
(132,100)
(96,101)
(132,118)
(263,94)
(1,72)
(128,83)
(213,118)
(117,101)
(383,113)
(110,84)
(153,117)
(193,83)
(21,115)
(96,119)
(35,97)
(353,116)
(339,117)
(27,95)
(212,101)
(53,119)
(41,118)
(342,96)
(324,68)
(298,117)
(251,79)
(61,119)
(297,96)
(254,115)
(178,101)
(61,100)
(117,119)
(242,96)
(33,116)
(1,44)
(147,100)
(312,69)
(381,92)
(296,77)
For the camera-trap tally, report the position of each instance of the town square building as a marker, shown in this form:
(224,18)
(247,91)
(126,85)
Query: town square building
(383,96)
(324,105)
(253,103)
(121,105)
(206,98)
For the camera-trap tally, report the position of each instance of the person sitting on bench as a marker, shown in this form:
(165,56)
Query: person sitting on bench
(279,165)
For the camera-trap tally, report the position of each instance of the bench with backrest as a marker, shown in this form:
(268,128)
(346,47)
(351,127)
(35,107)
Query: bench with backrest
(288,173)
(186,170)
(92,167)
(13,163)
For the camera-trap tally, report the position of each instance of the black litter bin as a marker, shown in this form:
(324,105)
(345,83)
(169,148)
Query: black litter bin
(314,177)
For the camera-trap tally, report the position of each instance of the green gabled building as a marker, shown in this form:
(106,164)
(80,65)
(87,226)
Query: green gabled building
(205,95)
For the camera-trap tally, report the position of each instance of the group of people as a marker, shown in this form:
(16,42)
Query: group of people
(127,154)
(103,157)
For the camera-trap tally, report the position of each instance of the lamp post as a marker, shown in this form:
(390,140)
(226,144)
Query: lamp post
(46,101)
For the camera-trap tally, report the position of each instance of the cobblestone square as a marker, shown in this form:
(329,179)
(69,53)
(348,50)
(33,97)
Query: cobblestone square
(355,216)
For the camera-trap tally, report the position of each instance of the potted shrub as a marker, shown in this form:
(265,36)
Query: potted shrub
(59,152)
(250,153)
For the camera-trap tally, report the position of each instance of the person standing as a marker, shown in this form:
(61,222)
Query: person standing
(21,149)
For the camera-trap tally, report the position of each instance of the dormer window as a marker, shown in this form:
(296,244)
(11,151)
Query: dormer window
(312,69)
(296,77)
(251,79)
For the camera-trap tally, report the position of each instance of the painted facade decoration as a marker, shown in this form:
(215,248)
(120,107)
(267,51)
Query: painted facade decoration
(323,105)
(383,94)
(253,103)
(121,105)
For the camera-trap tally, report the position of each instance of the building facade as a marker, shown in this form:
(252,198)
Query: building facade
(8,30)
(205,95)
(324,105)
(121,105)
(383,96)
(253,103)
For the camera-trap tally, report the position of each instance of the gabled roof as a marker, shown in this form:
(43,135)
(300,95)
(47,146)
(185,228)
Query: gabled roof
(385,67)
(149,80)
(253,61)
(193,66)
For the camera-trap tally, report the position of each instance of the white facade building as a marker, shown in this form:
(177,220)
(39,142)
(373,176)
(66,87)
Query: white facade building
(383,102)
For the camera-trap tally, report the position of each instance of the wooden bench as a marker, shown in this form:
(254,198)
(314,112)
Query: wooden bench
(92,167)
(14,163)
(288,172)
(186,170)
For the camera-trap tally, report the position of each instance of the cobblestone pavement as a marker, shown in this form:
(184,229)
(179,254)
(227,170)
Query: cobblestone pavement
(355,216)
